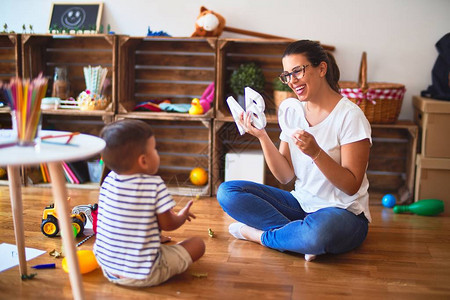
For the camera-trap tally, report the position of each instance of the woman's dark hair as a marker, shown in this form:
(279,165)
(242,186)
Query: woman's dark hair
(125,141)
(316,54)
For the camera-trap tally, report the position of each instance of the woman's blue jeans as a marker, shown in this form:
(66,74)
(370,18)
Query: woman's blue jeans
(285,225)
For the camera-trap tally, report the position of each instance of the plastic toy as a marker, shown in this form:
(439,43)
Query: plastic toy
(86,261)
(198,176)
(196,108)
(156,33)
(388,200)
(207,98)
(80,214)
(426,207)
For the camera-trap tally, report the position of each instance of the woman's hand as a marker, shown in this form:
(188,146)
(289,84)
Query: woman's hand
(246,122)
(306,143)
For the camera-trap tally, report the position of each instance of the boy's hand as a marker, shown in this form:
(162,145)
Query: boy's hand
(185,212)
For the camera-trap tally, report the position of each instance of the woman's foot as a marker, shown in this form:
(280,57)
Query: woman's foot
(235,230)
(310,257)
(245,232)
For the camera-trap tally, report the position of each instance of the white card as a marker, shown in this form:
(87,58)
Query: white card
(290,114)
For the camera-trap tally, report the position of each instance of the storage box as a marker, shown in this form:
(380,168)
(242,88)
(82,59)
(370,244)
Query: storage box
(162,68)
(433,117)
(265,53)
(42,53)
(246,165)
(433,180)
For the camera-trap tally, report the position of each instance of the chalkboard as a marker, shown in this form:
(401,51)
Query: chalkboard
(76,16)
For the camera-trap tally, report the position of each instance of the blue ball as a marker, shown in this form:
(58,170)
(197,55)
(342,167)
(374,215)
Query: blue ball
(388,200)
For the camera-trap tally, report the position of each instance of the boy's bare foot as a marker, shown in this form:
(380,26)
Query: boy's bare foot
(165,239)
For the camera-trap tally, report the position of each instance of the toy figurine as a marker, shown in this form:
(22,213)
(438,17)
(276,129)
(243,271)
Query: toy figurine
(196,108)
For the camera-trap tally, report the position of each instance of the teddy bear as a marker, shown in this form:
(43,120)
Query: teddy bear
(208,24)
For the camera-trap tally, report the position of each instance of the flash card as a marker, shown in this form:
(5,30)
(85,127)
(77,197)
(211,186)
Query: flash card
(254,103)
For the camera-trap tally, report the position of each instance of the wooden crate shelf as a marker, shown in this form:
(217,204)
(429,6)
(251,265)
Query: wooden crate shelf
(234,52)
(10,65)
(182,146)
(42,53)
(157,68)
(392,159)
(10,56)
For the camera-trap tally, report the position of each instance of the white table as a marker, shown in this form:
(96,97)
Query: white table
(53,152)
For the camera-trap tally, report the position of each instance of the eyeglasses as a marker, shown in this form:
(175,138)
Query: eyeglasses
(297,72)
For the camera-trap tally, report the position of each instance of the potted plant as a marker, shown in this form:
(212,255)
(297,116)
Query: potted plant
(281,92)
(250,75)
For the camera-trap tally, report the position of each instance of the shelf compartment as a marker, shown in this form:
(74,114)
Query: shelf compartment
(42,53)
(155,68)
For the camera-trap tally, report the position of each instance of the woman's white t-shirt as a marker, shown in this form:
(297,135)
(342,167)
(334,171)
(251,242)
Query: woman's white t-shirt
(345,124)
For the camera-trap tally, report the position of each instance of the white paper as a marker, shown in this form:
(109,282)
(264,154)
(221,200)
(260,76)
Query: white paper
(10,256)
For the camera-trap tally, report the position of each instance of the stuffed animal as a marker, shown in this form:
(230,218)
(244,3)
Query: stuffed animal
(209,23)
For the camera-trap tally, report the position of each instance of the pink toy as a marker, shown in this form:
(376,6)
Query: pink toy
(207,98)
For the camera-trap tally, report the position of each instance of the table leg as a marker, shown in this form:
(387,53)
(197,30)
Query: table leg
(65,223)
(15,192)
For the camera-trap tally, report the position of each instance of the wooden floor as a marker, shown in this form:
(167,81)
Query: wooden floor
(404,257)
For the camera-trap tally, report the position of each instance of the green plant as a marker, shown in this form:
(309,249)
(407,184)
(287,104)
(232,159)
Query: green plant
(250,75)
(279,86)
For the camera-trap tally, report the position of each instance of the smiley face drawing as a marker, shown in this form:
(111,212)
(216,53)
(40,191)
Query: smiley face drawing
(73,17)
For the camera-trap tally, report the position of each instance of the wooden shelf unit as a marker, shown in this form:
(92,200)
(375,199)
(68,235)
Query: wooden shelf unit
(180,69)
(42,53)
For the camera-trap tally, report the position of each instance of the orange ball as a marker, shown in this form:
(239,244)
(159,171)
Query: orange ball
(198,176)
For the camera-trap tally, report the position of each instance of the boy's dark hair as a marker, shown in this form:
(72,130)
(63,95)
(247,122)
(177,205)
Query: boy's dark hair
(125,141)
(316,54)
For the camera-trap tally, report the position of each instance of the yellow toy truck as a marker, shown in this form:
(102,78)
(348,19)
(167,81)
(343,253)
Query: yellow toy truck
(80,214)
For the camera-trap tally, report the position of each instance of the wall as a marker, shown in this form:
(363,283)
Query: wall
(398,35)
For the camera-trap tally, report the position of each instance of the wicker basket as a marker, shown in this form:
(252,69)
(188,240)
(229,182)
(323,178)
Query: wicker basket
(381,102)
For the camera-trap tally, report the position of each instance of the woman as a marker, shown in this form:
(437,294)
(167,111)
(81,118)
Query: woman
(328,211)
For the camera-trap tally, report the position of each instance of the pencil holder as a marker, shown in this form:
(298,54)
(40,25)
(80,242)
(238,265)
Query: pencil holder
(26,135)
(25,101)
